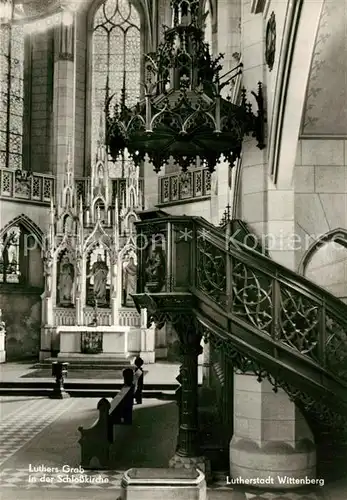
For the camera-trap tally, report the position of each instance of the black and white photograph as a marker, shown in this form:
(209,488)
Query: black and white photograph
(173,249)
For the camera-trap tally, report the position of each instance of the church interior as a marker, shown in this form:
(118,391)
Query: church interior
(173,249)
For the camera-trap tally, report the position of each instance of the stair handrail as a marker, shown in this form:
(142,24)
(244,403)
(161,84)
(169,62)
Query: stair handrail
(281,273)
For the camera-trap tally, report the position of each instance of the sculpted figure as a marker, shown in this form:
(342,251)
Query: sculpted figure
(99,273)
(129,281)
(155,265)
(155,270)
(66,279)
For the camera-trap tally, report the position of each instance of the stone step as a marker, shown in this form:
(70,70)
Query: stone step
(87,362)
(81,392)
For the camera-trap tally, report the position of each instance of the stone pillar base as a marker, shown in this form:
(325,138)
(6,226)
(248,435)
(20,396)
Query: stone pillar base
(201,463)
(276,465)
(156,484)
(272,445)
(2,356)
(249,494)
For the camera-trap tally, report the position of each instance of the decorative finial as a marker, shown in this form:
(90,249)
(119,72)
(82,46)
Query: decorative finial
(81,209)
(52,213)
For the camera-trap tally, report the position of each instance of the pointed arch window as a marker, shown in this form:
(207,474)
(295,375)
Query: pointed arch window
(116,56)
(11,94)
(13,261)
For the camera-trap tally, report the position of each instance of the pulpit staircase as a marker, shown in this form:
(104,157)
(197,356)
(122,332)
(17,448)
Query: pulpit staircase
(268,319)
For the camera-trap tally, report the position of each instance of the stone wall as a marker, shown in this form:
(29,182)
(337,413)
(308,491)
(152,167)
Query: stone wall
(198,208)
(328,268)
(320,207)
(9,210)
(22,315)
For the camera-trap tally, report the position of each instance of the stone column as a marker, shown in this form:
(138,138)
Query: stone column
(188,453)
(254,172)
(271,440)
(63,98)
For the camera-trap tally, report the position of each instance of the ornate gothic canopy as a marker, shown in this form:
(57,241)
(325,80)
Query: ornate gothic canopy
(183,114)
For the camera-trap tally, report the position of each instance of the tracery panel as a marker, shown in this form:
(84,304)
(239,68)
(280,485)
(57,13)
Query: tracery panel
(116,57)
(12,95)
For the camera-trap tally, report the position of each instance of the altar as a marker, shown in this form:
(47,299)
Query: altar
(90,267)
(108,343)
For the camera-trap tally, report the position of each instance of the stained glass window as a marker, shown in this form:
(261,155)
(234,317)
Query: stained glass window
(11,95)
(116,56)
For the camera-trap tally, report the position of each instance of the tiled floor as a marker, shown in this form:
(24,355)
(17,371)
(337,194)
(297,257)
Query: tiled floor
(34,447)
(158,373)
(39,432)
(22,425)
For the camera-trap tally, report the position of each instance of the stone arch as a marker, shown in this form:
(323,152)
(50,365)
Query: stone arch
(325,262)
(30,226)
(292,77)
(338,235)
(28,254)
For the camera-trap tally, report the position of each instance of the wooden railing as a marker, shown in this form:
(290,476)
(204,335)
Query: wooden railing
(96,441)
(189,186)
(293,331)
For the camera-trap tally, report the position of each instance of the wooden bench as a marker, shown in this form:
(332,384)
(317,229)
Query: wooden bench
(96,441)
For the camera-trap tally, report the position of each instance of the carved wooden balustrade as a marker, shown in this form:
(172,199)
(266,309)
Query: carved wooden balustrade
(188,186)
(268,319)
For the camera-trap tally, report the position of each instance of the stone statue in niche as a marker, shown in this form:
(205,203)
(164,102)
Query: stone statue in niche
(66,280)
(155,270)
(129,281)
(100,177)
(68,225)
(99,273)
